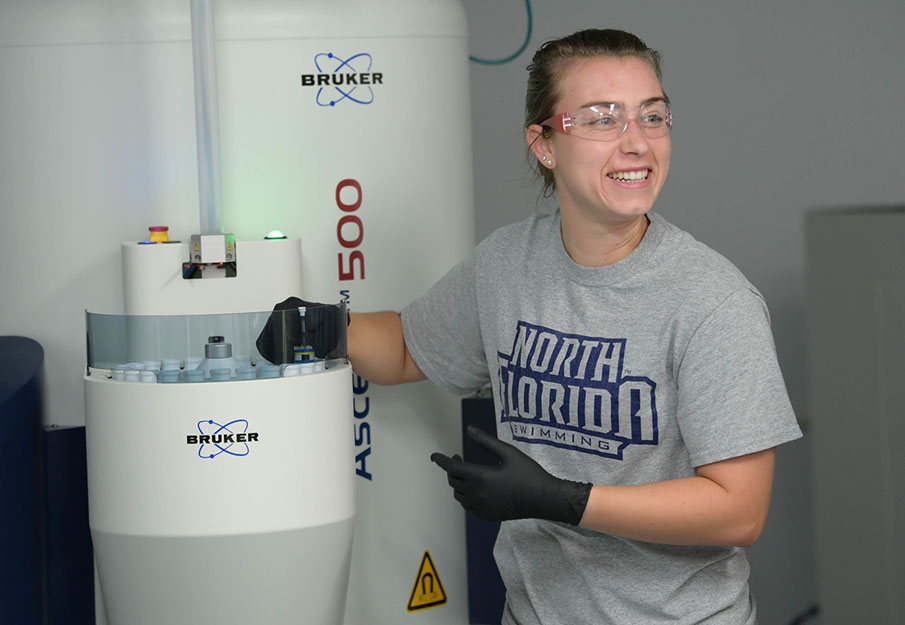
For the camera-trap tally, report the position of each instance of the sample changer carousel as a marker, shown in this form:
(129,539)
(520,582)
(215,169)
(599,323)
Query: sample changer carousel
(219,482)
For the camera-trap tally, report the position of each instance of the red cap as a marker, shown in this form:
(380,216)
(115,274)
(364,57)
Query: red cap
(159,228)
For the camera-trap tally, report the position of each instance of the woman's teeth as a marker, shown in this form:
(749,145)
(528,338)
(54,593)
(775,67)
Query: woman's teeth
(630,176)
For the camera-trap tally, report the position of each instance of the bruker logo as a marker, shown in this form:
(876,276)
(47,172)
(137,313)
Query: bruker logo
(338,80)
(214,439)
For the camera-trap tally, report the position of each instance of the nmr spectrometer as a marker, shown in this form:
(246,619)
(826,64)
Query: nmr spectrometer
(346,126)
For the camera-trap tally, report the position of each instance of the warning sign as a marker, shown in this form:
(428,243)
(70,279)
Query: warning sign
(428,589)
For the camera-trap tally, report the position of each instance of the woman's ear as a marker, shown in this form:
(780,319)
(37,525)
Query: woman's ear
(539,144)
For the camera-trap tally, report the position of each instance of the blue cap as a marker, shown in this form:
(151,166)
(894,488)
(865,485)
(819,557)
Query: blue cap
(193,375)
(268,371)
(245,373)
(168,376)
(220,375)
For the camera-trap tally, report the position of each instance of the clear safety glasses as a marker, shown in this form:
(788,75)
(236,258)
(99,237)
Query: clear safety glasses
(609,121)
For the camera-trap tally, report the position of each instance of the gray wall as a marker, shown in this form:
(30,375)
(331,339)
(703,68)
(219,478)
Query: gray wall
(780,107)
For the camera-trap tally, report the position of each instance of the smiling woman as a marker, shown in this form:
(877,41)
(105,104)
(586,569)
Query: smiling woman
(606,181)
(633,370)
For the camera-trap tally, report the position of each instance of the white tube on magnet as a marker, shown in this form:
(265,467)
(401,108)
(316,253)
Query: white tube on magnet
(207,116)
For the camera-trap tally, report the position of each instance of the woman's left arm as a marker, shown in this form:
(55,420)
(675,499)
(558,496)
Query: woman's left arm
(726,503)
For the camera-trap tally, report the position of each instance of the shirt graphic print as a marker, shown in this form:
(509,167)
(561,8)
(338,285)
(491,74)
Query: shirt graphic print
(569,391)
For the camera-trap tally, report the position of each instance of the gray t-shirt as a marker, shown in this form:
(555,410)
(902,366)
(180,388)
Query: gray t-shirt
(628,374)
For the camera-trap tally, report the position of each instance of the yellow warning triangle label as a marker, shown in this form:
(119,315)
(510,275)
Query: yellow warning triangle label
(428,589)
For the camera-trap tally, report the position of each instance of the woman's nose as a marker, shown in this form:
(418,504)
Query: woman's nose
(633,140)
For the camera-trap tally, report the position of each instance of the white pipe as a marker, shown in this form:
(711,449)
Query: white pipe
(207,118)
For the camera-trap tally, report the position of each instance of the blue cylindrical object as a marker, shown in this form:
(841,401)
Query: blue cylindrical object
(21,481)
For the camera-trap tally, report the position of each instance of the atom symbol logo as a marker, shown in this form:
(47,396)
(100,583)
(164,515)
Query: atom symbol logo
(347,92)
(222,438)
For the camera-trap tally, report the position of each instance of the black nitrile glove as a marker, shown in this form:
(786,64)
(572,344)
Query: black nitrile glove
(516,488)
(283,330)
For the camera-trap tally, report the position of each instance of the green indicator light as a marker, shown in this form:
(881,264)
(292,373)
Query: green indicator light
(275,234)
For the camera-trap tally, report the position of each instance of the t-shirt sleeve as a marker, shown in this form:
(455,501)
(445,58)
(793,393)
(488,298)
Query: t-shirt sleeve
(732,396)
(442,331)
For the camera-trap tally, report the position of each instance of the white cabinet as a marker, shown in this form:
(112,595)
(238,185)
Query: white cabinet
(856,397)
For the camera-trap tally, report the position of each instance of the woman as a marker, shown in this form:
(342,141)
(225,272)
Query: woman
(633,368)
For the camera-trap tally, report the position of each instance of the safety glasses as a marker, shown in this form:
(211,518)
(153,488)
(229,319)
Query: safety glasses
(609,121)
